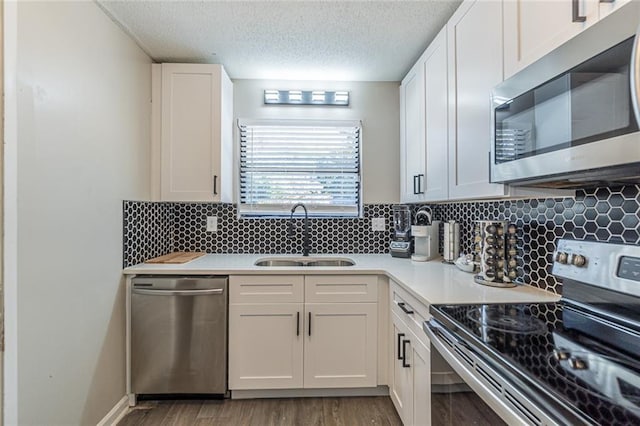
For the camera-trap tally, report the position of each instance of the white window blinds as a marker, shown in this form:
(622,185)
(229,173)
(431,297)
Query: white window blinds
(294,161)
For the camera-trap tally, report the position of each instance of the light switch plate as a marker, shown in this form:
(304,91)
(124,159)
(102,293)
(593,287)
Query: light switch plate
(212,223)
(378,224)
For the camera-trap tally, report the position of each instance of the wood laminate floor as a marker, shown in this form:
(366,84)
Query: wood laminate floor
(346,411)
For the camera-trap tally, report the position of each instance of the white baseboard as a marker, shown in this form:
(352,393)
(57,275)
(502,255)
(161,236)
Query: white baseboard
(116,414)
(296,393)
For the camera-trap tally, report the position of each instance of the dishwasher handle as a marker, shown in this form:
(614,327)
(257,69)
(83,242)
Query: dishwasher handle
(204,292)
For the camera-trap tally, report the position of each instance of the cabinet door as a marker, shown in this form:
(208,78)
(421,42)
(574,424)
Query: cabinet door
(474,39)
(340,345)
(400,380)
(533,28)
(420,361)
(606,7)
(265,346)
(412,135)
(436,182)
(191,145)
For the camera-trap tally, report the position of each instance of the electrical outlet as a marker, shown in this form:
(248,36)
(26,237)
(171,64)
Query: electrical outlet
(212,223)
(378,224)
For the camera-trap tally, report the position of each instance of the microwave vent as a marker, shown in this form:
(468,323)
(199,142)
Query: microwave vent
(628,174)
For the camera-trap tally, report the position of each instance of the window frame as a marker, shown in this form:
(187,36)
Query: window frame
(279,211)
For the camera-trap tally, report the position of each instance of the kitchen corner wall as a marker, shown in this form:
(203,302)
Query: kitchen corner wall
(603,214)
(78,93)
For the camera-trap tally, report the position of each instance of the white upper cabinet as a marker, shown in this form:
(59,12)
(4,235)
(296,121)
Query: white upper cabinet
(606,7)
(423,104)
(412,159)
(194,129)
(533,28)
(436,182)
(475,66)
(445,109)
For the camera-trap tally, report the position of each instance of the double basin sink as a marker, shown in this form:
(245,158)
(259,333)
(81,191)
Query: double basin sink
(304,261)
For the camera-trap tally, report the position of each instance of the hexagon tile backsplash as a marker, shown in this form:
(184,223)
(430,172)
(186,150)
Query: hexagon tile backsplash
(603,214)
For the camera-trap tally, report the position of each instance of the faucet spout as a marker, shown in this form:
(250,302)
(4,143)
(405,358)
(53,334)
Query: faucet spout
(306,241)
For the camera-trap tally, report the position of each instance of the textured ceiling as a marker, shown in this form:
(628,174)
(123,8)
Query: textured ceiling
(290,40)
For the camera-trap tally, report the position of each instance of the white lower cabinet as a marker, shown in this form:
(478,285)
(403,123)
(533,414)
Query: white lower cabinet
(292,341)
(410,368)
(399,387)
(265,346)
(410,387)
(420,360)
(340,348)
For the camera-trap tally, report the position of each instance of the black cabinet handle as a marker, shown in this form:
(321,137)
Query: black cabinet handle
(415,184)
(309,324)
(298,323)
(420,179)
(405,364)
(404,308)
(575,4)
(400,336)
(215,184)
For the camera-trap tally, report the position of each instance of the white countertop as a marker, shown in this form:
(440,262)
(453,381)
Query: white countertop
(431,282)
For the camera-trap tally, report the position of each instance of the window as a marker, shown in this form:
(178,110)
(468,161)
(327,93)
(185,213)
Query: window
(283,162)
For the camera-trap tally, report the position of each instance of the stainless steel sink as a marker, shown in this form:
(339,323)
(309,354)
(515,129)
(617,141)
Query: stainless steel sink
(278,262)
(331,262)
(303,261)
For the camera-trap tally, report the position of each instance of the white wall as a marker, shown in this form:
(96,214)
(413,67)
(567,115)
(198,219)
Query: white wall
(82,92)
(377,104)
(1,208)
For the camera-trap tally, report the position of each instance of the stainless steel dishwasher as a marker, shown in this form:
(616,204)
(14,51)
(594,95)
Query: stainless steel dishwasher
(179,335)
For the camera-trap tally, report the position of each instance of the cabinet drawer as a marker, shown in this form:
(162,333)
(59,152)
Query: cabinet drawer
(341,288)
(266,289)
(412,312)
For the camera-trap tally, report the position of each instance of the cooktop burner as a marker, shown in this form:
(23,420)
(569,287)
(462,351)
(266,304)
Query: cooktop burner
(509,319)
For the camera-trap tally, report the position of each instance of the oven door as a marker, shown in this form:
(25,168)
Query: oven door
(453,402)
(476,394)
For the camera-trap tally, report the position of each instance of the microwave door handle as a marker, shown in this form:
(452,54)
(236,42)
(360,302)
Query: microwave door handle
(635,76)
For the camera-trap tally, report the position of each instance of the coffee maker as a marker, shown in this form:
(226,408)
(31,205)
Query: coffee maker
(401,242)
(425,236)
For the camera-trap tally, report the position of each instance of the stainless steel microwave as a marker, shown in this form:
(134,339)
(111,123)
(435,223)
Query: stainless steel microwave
(570,120)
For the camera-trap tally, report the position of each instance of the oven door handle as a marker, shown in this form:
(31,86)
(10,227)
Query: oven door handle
(438,330)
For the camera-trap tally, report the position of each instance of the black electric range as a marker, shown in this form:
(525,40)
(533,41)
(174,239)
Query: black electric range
(572,362)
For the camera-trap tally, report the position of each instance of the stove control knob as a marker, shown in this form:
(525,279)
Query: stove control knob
(560,355)
(578,363)
(561,257)
(579,260)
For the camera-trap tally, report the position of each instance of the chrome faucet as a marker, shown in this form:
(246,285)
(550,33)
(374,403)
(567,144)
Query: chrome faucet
(306,243)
